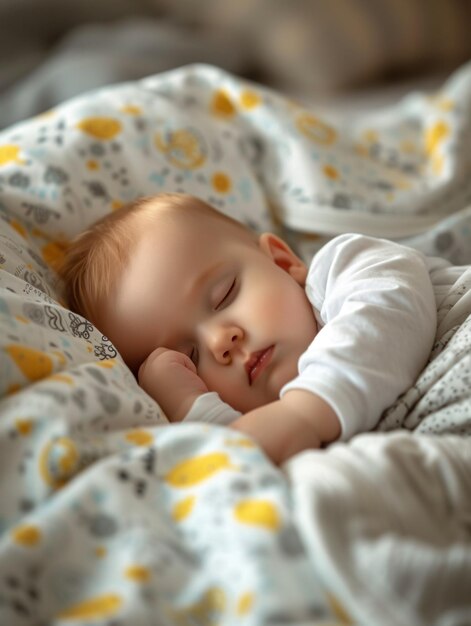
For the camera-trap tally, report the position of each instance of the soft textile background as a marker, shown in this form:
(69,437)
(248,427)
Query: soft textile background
(53,50)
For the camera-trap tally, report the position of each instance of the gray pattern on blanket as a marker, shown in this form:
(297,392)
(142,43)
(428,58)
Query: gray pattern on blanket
(440,400)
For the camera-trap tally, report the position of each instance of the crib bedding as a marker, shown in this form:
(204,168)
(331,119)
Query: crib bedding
(111,516)
(439,402)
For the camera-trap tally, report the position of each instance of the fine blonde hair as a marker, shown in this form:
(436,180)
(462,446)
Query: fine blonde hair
(98,255)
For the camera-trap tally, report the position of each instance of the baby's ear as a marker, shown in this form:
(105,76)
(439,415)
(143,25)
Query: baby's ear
(283,256)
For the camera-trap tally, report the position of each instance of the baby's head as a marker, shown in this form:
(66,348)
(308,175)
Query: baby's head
(98,256)
(172,271)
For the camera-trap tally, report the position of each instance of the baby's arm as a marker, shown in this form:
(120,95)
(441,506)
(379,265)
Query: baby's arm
(377,305)
(300,420)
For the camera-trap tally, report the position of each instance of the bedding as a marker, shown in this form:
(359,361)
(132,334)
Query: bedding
(298,45)
(108,514)
(439,401)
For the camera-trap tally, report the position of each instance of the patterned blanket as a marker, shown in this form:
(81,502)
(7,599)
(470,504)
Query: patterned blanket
(108,515)
(440,400)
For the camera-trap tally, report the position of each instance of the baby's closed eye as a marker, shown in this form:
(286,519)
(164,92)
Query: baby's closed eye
(226,293)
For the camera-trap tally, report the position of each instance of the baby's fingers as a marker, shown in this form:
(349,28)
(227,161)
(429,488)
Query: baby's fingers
(164,359)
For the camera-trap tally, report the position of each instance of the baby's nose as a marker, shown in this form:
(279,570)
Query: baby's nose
(224,341)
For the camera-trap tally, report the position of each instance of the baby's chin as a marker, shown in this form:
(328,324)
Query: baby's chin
(278,378)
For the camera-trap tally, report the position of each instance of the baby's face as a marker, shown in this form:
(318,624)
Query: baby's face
(198,286)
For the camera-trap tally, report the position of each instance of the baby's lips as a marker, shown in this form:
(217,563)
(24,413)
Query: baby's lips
(256,362)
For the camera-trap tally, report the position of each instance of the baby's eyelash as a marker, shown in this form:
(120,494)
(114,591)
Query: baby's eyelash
(228,295)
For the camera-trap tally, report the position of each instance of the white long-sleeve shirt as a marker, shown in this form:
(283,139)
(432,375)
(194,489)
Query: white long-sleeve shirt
(376,312)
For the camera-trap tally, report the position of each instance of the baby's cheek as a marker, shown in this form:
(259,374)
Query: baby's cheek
(286,309)
(271,307)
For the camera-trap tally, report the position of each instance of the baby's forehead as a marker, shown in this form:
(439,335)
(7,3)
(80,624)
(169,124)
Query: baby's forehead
(195,223)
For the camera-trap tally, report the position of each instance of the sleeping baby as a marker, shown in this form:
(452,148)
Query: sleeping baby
(219,324)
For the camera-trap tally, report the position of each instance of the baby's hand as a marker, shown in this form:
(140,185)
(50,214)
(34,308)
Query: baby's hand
(170,378)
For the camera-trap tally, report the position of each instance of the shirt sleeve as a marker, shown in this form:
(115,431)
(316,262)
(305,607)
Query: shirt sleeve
(209,408)
(376,311)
